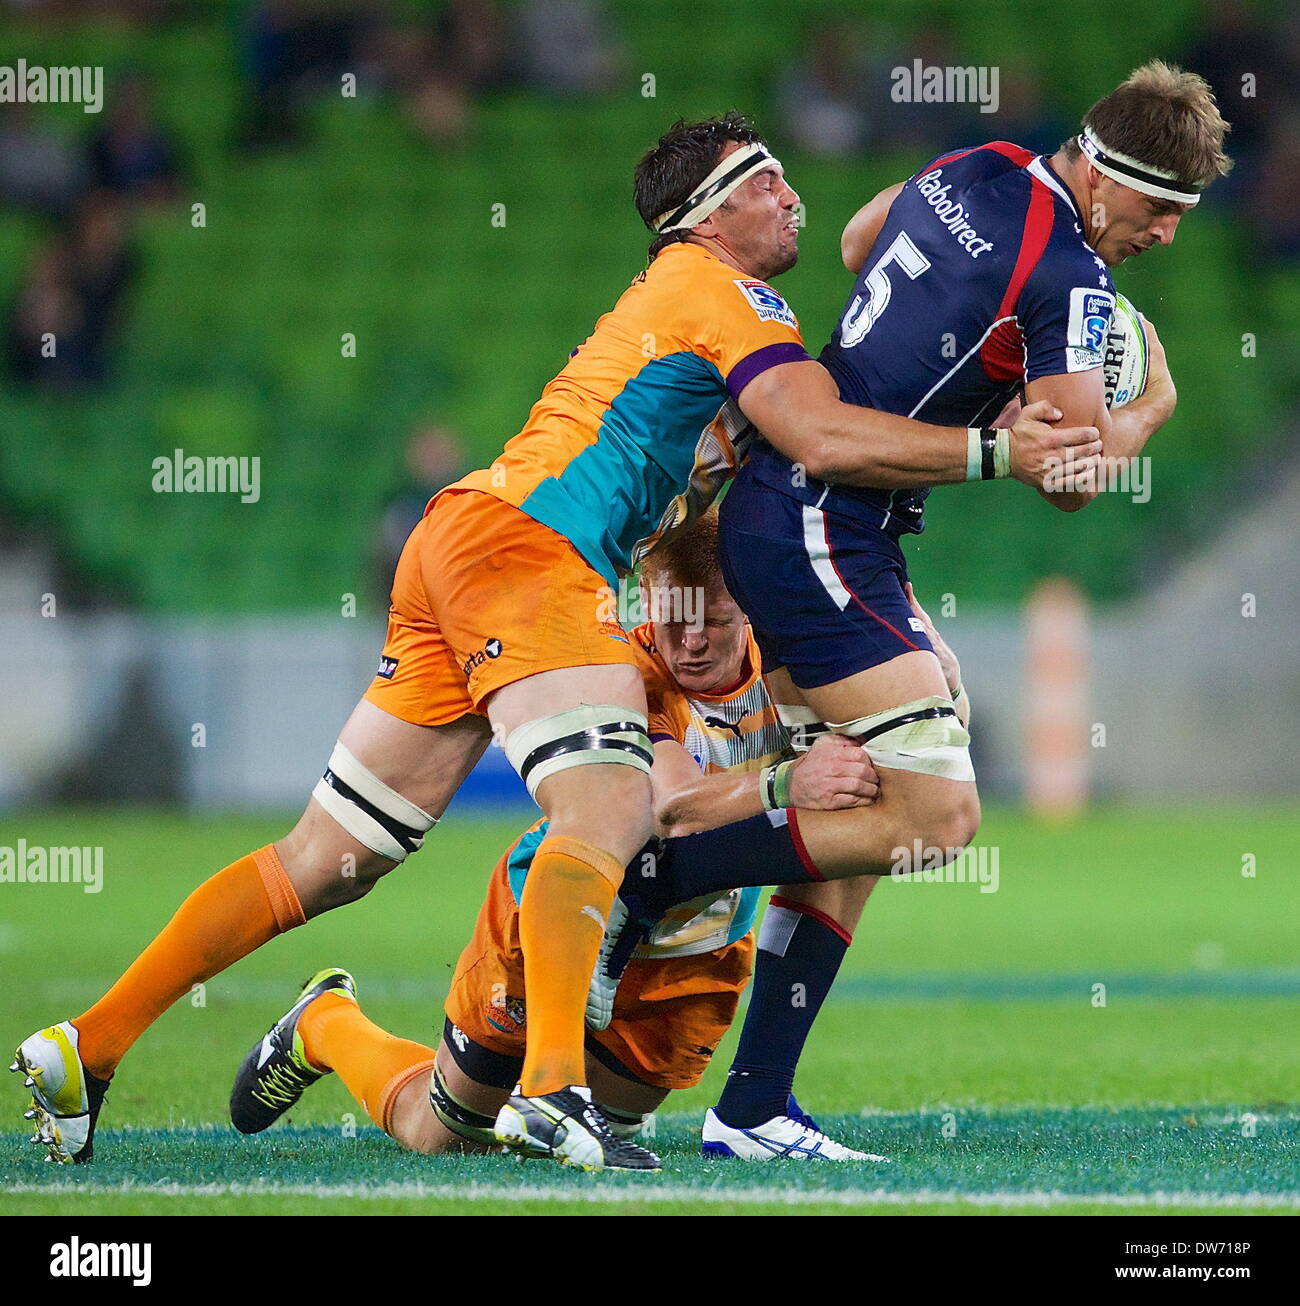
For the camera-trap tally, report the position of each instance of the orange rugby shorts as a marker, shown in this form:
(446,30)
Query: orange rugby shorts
(484,596)
(669,1015)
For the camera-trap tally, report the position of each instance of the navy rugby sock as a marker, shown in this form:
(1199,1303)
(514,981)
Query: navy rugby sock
(799,954)
(760,850)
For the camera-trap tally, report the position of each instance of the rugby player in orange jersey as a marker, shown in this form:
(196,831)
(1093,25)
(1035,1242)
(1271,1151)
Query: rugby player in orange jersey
(498,625)
(715,732)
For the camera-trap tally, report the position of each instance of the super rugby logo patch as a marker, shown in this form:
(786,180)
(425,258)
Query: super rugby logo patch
(769,306)
(1085,337)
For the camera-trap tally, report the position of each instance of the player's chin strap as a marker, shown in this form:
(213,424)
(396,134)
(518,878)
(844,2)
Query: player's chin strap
(1131,172)
(738,167)
(369,810)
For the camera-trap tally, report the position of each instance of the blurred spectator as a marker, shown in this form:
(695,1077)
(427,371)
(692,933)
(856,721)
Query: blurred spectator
(1237,52)
(822,100)
(925,128)
(568,47)
(840,98)
(103,263)
(293,48)
(466,55)
(131,154)
(472,42)
(1253,66)
(433,93)
(435,457)
(1023,116)
(45,320)
(61,326)
(39,171)
(1270,202)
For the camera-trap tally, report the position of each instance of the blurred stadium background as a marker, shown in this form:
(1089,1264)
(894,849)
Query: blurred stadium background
(376,214)
(175,667)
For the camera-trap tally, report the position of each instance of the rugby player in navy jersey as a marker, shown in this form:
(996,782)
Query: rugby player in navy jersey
(981,281)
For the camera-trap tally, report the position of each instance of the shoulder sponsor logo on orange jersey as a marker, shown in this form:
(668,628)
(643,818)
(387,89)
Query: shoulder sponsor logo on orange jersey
(767,303)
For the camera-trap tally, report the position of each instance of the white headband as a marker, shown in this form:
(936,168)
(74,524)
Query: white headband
(739,166)
(1143,177)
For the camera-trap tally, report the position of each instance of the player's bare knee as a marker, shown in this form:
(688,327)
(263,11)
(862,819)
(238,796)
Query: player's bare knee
(413,1123)
(952,824)
(355,830)
(327,867)
(588,768)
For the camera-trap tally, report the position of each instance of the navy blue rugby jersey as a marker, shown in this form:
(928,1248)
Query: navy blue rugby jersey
(980,280)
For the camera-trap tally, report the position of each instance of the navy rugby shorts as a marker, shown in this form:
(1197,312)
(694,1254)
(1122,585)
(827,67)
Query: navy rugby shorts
(822,590)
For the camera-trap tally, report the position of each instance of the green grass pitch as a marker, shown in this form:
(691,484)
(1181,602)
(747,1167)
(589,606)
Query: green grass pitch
(967,1039)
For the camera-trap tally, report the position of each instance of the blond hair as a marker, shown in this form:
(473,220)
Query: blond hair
(688,560)
(1164,117)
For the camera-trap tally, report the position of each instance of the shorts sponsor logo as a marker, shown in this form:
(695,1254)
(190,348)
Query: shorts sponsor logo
(1089,321)
(510,1016)
(767,303)
(492,649)
(387,666)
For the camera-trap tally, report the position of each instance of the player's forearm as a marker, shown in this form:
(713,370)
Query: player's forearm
(1131,427)
(861,446)
(1124,436)
(708,802)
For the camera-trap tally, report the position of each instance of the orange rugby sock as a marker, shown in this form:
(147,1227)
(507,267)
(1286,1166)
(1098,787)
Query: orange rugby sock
(224,919)
(374,1064)
(566,901)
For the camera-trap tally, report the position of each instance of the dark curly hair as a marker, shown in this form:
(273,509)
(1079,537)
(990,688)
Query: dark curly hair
(671,170)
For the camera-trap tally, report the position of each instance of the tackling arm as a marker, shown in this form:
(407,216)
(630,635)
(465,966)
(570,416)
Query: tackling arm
(833,774)
(798,408)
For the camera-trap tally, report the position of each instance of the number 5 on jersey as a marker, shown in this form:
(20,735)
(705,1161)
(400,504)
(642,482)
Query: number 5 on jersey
(861,316)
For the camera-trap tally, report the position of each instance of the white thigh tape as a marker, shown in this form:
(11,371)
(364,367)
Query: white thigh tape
(369,810)
(802,724)
(923,736)
(583,736)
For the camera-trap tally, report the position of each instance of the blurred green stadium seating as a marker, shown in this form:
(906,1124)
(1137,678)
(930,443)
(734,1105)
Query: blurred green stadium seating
(232,343)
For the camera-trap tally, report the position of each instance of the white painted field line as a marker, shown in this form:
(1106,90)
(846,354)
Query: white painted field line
(663,1193)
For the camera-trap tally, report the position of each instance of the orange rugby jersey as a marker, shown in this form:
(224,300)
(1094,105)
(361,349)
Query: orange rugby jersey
(637,434)
(737,731)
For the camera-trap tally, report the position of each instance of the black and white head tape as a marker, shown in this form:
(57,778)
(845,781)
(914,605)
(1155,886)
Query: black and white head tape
(739,166)
(1131,172)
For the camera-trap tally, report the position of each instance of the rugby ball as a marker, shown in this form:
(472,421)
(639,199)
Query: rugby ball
(1124,362)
